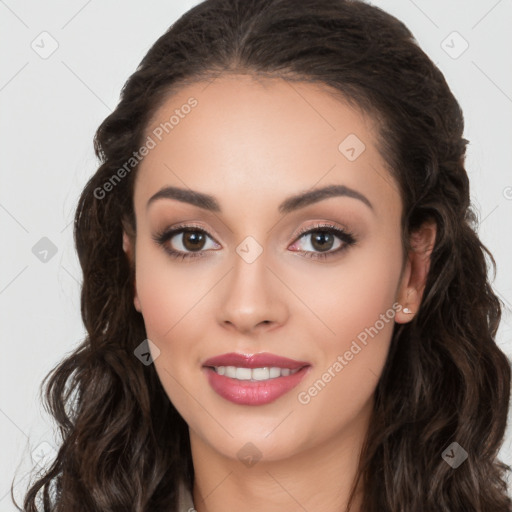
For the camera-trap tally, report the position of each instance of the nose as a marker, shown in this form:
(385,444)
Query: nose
(252,298)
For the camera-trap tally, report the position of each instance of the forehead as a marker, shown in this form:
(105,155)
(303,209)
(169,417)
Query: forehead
(268,136)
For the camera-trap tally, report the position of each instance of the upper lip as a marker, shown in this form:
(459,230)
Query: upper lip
(261,360)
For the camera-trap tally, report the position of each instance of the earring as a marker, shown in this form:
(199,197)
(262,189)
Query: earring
(407,311)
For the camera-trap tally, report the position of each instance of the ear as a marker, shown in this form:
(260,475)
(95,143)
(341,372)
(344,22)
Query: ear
(129,249)
(412,284)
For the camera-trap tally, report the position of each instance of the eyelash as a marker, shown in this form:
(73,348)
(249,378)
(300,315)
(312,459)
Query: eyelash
(348,238)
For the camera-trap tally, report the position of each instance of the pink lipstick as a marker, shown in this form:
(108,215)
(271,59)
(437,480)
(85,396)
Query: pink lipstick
(253,379)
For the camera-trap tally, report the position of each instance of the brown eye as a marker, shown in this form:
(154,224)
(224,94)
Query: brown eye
(185,242)
(325,241)
(193,240)
(322,240)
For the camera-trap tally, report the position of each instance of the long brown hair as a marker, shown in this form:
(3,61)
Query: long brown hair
(124,445)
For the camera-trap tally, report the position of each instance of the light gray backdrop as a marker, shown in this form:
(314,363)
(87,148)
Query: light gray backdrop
(62,68)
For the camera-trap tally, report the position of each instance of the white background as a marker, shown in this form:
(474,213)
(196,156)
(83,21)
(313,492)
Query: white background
(50,109)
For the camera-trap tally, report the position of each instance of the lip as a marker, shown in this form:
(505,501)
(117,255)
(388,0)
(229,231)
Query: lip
(245,392)
(263,359)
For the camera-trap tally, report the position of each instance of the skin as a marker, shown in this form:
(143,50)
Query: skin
(252,144)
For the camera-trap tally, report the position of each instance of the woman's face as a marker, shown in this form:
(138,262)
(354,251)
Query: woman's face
(249,282)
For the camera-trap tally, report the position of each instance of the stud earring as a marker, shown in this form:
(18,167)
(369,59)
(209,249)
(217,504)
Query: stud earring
(407,311)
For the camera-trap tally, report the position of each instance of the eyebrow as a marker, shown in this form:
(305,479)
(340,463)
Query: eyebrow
(301,200)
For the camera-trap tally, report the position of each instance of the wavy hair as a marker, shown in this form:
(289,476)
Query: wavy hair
(124,445)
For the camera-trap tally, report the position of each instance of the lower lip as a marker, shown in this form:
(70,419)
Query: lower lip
(246,392)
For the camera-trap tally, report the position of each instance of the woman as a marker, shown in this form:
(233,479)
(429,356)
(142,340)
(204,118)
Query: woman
(286,301)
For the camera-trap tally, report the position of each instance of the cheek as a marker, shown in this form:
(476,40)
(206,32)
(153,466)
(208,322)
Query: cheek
(354,300)
(170,302)
(176,303)
(165,290)
(350,295)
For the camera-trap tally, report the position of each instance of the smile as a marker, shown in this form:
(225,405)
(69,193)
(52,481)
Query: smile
(254,374)
(253,379)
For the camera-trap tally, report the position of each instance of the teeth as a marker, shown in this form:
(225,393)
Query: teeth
(254,374)
(230,372)
(274,372)
(243,373)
